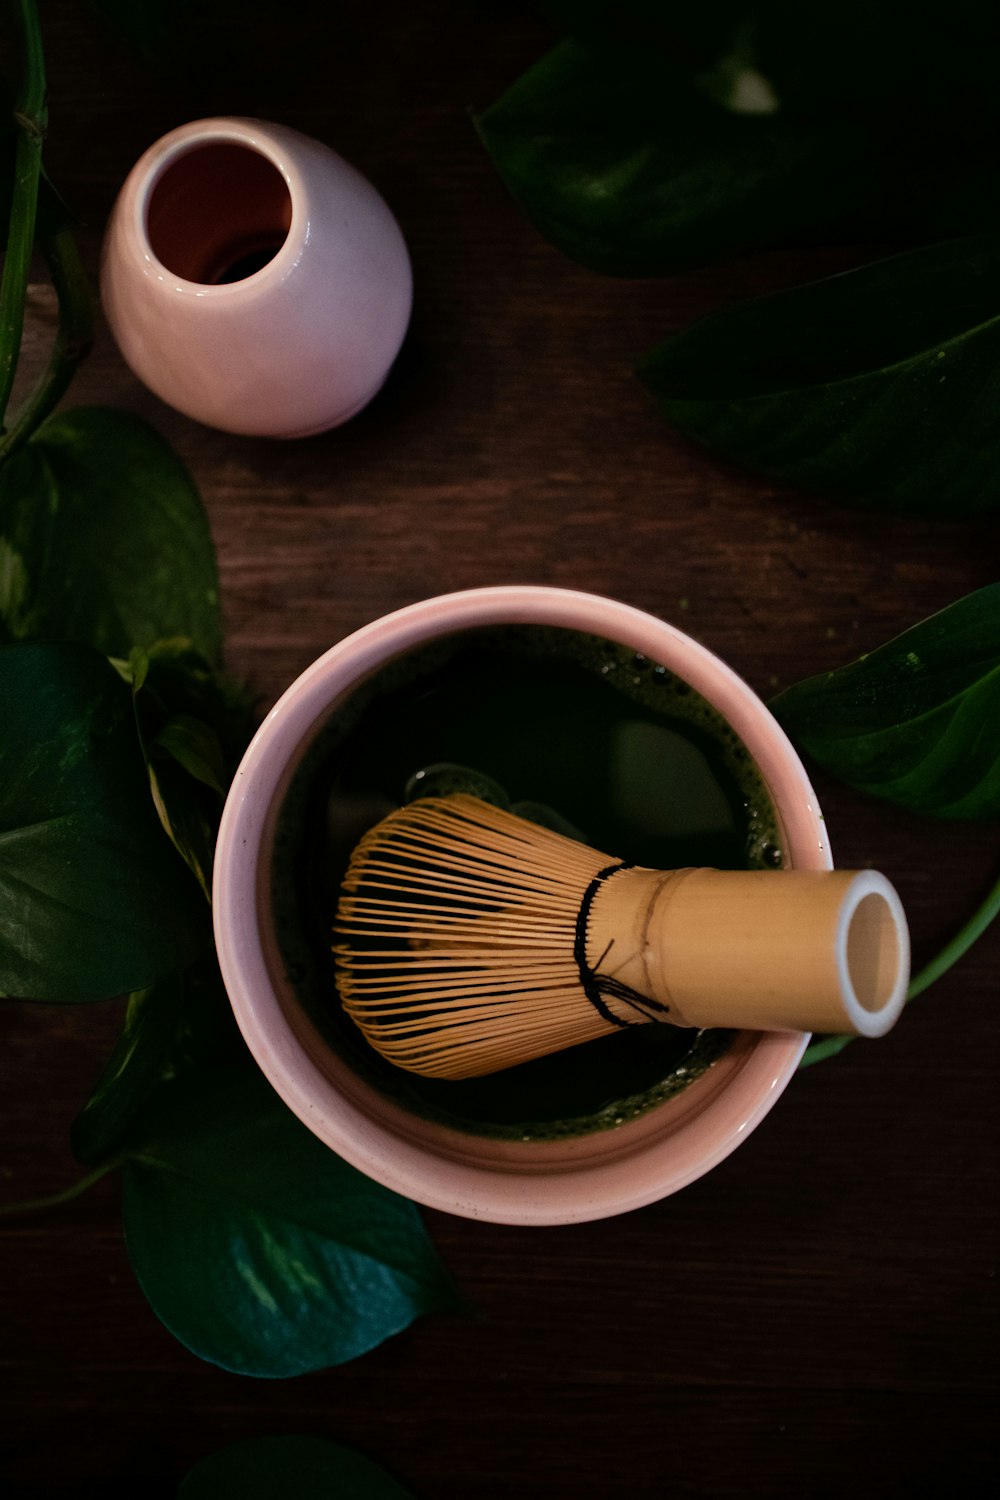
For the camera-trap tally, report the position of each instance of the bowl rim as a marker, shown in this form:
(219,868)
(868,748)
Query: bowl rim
(577,1189)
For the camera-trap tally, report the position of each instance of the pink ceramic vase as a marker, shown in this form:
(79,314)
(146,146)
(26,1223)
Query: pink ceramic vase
(254,280)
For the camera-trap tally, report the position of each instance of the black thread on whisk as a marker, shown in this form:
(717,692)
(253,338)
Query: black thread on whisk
(596,986)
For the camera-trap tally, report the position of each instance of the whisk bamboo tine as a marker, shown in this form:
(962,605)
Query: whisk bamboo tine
(469,940)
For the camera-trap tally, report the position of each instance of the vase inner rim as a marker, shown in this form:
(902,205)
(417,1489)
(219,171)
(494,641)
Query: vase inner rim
(218,213)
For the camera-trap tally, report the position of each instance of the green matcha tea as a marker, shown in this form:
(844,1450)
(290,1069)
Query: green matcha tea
(574,732)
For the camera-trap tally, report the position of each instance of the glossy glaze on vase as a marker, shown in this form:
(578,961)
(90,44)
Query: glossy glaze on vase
(254,280)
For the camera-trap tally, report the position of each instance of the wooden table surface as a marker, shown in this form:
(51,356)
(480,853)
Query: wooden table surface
(818,1316)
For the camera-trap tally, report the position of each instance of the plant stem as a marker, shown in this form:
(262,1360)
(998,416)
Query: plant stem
(31,118)
(74,336)
(986,911)
(960,943)
(822,1048)
(66,1195)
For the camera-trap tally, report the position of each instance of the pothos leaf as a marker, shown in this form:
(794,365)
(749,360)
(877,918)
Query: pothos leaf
(917,721)
(624,166)
(104,539)
(260,1249)
(94,901)
(181,1024)
(133,1071)
(187,771)
(832,57)
(180,683)
(861,56)
(625,158)
(194,745)
(879,386)
(185,817)
(308,1468)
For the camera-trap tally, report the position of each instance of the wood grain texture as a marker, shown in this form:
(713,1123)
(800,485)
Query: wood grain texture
(818,1316)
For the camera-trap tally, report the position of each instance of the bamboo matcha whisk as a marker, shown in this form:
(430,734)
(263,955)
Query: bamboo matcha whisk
(468,940)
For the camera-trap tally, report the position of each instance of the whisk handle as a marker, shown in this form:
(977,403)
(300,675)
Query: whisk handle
(786,950)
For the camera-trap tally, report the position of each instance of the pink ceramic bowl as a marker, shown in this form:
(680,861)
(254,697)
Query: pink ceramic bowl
(556,1181)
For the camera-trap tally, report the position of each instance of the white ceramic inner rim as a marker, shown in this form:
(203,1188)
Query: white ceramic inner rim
(876,1012)
(591,1177)
(195,136)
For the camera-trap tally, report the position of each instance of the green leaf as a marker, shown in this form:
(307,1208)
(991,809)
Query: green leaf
(177,682)
(187,821)
(276,1468)
(840,57)
(208,1039)
(186,760)
(188,779)
(182,1024)
(620,163)
(194,745)
(193,724)
(132,669)
(879,386)
(867,57)
(916,722)
(104,539)
(260,1249)
(94,901)
(133,1071)
(621,158)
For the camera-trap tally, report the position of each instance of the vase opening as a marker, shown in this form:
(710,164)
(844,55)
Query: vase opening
(218,213)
